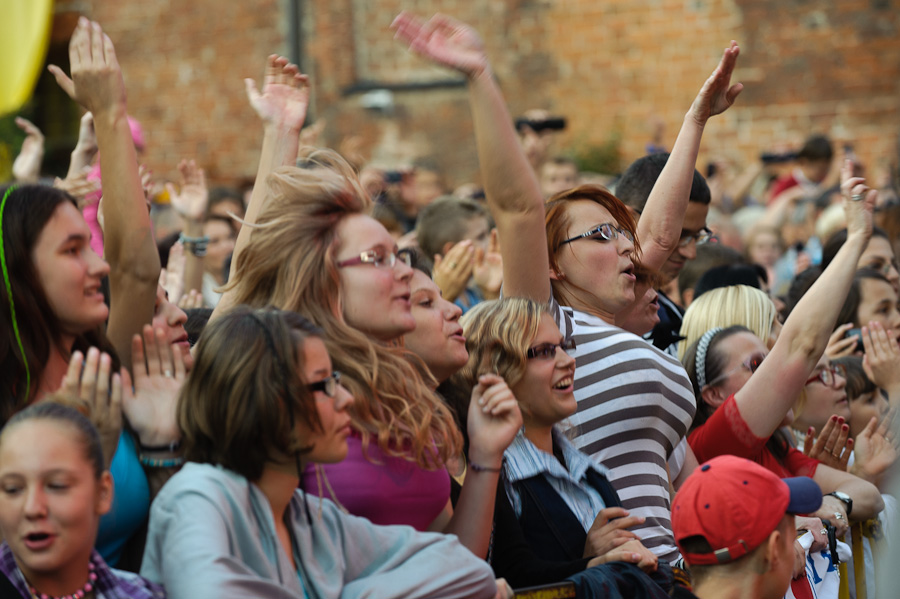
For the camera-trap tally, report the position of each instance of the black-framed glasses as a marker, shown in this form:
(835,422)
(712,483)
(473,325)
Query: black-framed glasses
(547,351)
(328,385)
(604,232)
(752,364)
(828,375)
(702,236)
(379,258)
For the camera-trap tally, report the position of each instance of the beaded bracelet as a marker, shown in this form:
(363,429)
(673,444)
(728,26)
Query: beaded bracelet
(154,463)
(480,468)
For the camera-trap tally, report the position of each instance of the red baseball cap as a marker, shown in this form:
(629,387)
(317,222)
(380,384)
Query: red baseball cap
(735,504)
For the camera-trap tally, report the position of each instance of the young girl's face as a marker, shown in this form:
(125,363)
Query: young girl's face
(50,498)
(329,445)
(71,272)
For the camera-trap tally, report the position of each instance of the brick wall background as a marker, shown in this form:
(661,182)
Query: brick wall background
(610,67)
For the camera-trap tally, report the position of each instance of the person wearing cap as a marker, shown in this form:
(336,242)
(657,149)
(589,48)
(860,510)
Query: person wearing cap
(734,524)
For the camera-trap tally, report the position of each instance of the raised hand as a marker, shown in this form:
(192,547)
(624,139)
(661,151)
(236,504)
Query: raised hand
(193,198)
(284,97)
(881,360)
(488,270)
(191,300)
(452,272)
(717,94)
(27,166)
(444,40)
(96,81)
(88,382)
(493,421)
(876,450)
(159,373)
(609,531)
(859,202)
(833,446)
(838,344)
(86,148)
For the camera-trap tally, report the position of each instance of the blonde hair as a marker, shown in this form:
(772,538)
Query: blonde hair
(289,262)
(724,307)
(498,334)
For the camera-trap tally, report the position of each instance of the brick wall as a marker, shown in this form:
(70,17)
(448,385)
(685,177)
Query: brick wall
(611,68)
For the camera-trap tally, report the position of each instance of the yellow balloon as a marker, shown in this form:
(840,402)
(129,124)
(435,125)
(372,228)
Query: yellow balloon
(24,37)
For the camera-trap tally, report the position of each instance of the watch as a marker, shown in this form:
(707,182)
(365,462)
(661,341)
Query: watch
(848,501)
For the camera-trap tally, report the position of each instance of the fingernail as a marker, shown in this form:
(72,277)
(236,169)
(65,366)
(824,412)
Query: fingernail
(845,428)
(834,418)
(810,431)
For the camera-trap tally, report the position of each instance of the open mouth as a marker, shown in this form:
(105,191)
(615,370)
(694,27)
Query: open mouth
(38,540)
(564,384)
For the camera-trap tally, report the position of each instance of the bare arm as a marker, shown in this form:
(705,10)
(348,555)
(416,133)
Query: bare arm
(282,108)
(129,246)
(774,387)
(867,502)
(512,190)
(659,227)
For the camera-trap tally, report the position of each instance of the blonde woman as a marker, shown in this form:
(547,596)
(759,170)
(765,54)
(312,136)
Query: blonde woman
(726,306)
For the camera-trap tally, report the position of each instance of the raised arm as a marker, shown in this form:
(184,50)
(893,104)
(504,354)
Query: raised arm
(659,227)
(129,246)
(282,107)
(775,386)
(191,202)
(512,190)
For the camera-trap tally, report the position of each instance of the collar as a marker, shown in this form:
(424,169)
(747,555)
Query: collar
(524,460)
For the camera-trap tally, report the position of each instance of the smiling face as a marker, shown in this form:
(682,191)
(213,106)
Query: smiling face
(438,338)
(329,445)
(878,302)
(50,502)
(546,391)
(70,272)
(375,299)
(597,274)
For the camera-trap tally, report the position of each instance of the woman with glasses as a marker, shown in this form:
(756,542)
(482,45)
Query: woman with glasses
(745,392)
(635,402)
(554,499)
(313,248)
(262,403)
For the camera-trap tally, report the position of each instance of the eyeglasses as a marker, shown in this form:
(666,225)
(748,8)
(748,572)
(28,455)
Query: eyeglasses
(547,351)
(379,258)
(604,232)
(328,385)
(751,364)
(828,375)
(702,236)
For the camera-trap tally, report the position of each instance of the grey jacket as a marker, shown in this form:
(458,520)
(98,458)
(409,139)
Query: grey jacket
(212,534)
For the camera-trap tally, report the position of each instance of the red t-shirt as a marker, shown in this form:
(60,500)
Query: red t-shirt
(727,433)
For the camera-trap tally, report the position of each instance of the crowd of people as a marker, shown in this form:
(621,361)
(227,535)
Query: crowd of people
(346,381)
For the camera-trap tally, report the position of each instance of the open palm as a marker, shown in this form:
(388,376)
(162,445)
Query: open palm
(285,94)
(444,40)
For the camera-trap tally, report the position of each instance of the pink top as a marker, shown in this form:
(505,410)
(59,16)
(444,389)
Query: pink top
(391,491)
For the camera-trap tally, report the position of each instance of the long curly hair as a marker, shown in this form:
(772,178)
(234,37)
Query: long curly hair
(290,263)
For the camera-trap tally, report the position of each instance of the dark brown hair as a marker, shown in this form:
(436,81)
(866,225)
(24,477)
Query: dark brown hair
(27,211)
(244,395)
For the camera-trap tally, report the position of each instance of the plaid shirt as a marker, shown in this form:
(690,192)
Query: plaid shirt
(111,584)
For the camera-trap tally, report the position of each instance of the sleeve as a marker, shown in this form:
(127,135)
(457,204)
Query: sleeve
(513,559)
(189,551)
(561,317)
(725,433)
(800,464)
(398,561)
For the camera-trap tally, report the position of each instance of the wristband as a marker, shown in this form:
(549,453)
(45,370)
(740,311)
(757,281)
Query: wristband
(195,245)
(154,463)
(480,468)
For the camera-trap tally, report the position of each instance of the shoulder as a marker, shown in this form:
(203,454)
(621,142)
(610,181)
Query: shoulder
(213,484)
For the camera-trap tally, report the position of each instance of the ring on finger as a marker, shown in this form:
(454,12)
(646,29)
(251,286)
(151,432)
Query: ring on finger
(824,531)
(453,265)
(168,374)
(857,197)
(838,516)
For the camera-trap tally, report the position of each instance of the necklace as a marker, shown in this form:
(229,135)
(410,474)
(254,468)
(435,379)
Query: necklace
(79,594)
